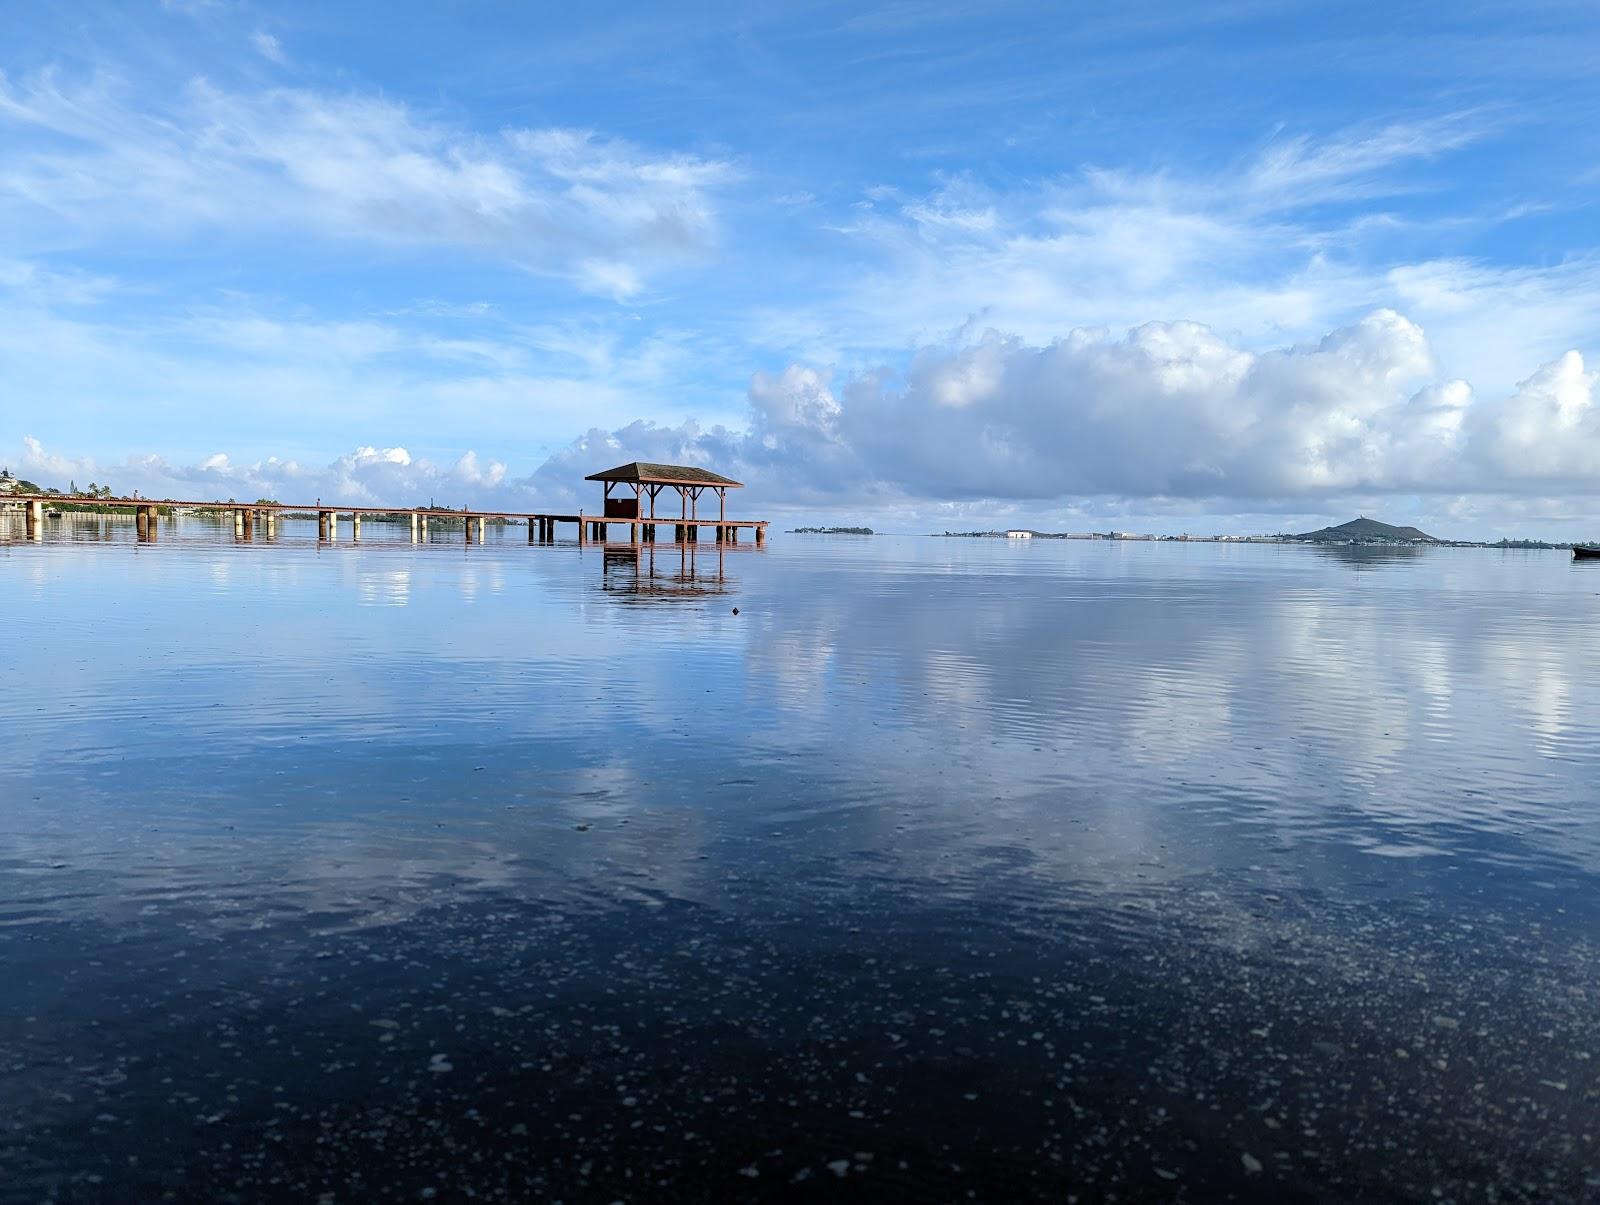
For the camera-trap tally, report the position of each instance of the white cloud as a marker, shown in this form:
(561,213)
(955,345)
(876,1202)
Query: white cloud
(1281,246)
(268,46)
(1171,412)
(210,370)
(928,369)
(37,285)
(602,213)
(1297,170)
(366,475)
(1550,429)
(1168,411)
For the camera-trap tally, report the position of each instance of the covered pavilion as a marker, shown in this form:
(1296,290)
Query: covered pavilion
(648,479)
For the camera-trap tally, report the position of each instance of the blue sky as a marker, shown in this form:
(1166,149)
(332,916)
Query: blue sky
(1225,267)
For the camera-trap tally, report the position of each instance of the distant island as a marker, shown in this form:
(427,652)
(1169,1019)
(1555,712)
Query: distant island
(1366,531)
(831,531)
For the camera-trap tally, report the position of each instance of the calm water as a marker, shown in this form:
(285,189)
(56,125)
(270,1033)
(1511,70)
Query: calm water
(945,869)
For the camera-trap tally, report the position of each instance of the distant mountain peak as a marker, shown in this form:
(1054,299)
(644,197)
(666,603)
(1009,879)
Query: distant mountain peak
(1369,529)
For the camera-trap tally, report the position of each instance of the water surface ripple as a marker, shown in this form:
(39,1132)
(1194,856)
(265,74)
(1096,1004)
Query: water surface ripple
(945,868)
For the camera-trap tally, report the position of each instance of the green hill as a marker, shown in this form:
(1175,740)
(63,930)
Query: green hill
(1371,531)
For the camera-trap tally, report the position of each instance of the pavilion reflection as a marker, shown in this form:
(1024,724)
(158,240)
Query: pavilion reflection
(665,571)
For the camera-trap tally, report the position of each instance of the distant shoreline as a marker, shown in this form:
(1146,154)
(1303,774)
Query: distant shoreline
(1131,538)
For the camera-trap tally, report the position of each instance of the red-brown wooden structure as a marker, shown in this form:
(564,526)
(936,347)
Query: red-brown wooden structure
(648,479)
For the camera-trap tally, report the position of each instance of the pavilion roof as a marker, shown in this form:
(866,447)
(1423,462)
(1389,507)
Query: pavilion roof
(644,472)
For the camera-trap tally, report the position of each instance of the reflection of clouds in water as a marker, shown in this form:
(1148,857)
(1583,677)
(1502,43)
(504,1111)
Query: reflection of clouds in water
(1535,677)
(592,837)
(385,587)
(1417,715)
(801,662)
(1430,657)
(1334,673)
(494,574)
(954,680)
(480,576)
(1376,709)
(1180,713)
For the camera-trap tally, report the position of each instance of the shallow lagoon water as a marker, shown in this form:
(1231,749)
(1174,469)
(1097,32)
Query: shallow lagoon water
(946,869)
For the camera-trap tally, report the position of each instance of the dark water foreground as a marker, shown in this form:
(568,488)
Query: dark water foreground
(945,870)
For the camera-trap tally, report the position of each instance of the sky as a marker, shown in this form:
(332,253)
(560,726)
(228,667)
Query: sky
(1233,267)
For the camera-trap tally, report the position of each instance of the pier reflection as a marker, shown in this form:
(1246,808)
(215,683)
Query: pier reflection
(668,571)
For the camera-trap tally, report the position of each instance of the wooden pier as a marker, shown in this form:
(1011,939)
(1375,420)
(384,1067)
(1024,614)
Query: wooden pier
(252,518)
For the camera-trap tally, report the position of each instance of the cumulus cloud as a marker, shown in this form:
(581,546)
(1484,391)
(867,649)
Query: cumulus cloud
(1549,431)
(1166,411)
(365,475)
(601,212)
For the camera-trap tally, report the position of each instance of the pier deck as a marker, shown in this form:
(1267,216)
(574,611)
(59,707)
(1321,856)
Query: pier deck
(249,517)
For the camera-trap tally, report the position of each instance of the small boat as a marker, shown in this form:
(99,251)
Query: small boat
(1585,552)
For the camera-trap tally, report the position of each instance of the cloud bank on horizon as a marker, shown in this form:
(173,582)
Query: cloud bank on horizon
(240,259)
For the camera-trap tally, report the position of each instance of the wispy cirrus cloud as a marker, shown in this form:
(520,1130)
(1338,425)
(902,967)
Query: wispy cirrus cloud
(1297,170)
(73,363)
(268,47)
(1283,244)
(89,158)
